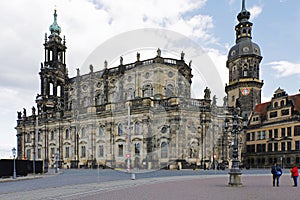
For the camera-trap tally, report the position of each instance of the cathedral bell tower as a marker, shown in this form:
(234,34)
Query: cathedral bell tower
(244,87)
(53,72)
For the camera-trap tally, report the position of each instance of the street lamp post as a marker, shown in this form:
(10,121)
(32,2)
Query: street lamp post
(235,172)
(14,152)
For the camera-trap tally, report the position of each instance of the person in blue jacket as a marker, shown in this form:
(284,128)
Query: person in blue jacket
(277,172)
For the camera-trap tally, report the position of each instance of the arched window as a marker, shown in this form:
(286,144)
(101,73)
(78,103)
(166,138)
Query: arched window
(164,150)
(67,134)
(147,92)
(59,91)
(101,131)
(52,135)
(137,128)
(120,129)
(282,103)
(275,104)
(51,89)
(169,90)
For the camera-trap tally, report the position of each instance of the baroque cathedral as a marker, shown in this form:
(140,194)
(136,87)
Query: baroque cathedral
(140,112)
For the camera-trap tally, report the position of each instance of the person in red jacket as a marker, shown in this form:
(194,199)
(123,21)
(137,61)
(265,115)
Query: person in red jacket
(295,175)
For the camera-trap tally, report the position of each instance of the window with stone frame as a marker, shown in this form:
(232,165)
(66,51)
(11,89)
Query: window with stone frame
(164,150)
(283,132)
(120,150)
(270,147)
(39,153)
(52,135)
(137,148)
(101,150)
(28,154)
(297,130)
(83,151)
(67,152)
(67,136)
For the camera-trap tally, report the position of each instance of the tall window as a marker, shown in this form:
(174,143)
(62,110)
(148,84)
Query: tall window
(120,150)
(270,147)
(275,133)
(52,135)
(28,154)
(297,145)
(147,91)
(283,132)
(289,131)
(275,147)
(263,135)
(297,130)
(58,91)
(289,146)
(39,153)
(164,150)
(101,150)
(83,151)
(270,133)
(67,134)
(67,152)
(258,135)
(282,146)
(137,149)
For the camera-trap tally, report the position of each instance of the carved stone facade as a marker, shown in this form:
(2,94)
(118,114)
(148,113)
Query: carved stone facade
(142,110)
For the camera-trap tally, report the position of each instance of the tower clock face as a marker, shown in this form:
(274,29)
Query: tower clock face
(245,91)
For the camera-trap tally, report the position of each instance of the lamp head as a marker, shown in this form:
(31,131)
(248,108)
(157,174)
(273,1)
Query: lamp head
(14,151)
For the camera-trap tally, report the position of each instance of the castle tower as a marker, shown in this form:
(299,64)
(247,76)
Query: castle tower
(243,62)
(53,72)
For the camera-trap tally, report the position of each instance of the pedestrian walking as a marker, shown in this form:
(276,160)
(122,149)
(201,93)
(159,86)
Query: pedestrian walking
(295,174)
(276,172)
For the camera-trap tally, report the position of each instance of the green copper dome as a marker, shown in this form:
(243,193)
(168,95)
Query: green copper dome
(54,28)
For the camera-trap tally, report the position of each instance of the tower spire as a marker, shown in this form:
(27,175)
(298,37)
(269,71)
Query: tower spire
(54,28)
(244,15)
(243,5)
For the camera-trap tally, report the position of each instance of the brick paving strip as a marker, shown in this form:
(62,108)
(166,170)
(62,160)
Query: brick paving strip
(182,187)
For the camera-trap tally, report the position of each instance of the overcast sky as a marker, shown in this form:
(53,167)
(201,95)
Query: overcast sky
(88,23)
